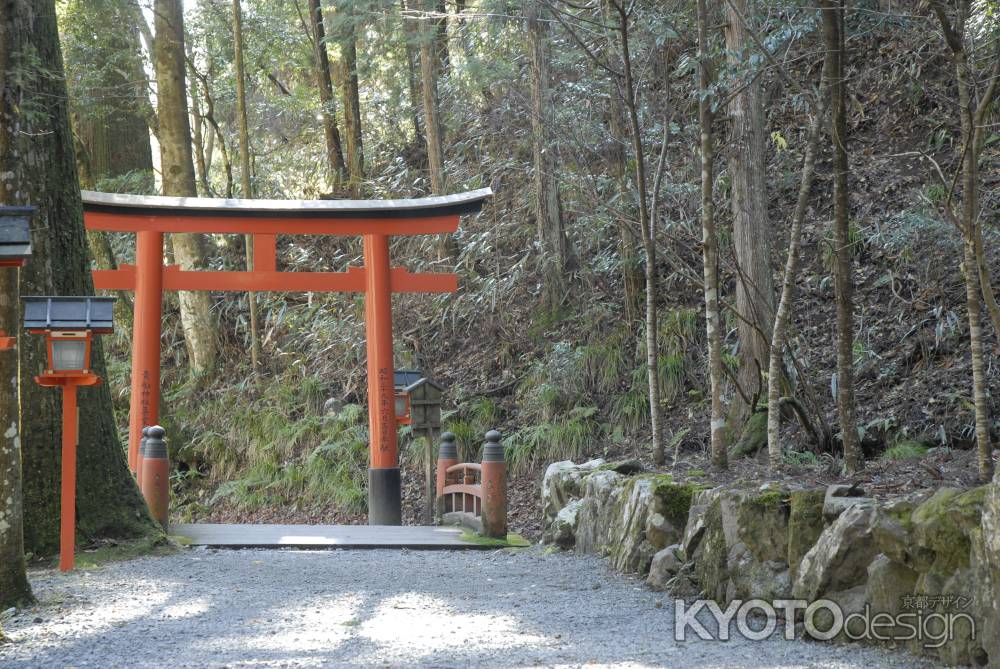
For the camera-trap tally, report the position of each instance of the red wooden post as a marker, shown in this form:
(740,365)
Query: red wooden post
(67,502)
(145,401)
(384,493)
(494,481)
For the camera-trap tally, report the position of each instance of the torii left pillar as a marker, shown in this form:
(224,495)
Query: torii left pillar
(147,311)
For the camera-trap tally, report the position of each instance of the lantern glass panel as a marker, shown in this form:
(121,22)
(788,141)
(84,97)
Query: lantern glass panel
(68,355)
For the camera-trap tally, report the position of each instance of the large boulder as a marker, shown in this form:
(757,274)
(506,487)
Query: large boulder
(630,519)
(839,560)
(743,547)
(665,566)
(805,524)
(889,584)
(563,482)
(562,530)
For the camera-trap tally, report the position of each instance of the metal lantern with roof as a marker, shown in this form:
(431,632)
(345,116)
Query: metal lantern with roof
(15,235)
(68,324)
(15,248)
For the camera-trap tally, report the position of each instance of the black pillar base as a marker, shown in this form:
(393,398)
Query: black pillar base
(385,505)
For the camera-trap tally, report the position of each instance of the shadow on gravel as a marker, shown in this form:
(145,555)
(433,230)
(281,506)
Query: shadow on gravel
(376,609)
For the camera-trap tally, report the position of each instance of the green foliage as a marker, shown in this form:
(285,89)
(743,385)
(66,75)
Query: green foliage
(563,438)
(800,458)
(905,450)
(266,446)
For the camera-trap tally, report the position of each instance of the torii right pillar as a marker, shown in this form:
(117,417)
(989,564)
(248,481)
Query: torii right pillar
(384,483)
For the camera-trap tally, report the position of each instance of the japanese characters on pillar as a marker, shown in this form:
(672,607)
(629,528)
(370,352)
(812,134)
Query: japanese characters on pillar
(150,217)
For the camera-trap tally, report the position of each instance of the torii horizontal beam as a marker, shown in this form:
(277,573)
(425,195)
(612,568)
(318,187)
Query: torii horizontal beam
(258,281)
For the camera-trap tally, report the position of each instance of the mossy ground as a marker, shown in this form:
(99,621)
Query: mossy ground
(513,540)
(94,558)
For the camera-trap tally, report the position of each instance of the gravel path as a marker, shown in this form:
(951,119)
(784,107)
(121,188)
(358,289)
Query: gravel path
(204,608)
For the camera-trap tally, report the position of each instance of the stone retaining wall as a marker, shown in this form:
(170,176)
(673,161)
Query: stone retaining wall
(925,552)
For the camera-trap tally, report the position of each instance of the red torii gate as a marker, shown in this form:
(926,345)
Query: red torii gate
(375,220)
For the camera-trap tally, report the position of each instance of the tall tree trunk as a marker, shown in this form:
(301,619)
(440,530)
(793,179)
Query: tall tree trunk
(784,310)
(548,216)
(632,272)
(973,108)
(833,32)
(440,8)
(433,128)
(709,244)
(38,168)
(647,231)
(198,137)
(177,167)
(14,587)
(351,99)
(324,81)
(751,229)
(245,174)
(412,31)
(108,91)
(432,119)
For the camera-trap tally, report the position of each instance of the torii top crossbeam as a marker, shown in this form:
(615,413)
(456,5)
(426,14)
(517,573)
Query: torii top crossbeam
(374,220)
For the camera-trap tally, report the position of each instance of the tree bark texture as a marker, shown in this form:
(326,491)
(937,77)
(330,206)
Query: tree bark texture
(784,311)
(38,168)
(833,32)
(751,227)
(548,216)
(324,82)
(647,232)
(246,176)
(432,118)
(177,165)
(709,246)
(351,100)
(972,109)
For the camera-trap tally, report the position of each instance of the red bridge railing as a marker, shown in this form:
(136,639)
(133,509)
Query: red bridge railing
(473,494)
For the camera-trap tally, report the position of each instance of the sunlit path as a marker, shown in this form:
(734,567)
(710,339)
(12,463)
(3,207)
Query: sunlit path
(376,608)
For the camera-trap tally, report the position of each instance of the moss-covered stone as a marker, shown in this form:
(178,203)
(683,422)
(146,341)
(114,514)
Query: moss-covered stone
(805,524)
(943,524)
(762,520)
(711,559)
(674,499)
(754,436)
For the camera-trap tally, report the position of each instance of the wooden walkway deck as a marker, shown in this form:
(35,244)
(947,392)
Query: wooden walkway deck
(324,536)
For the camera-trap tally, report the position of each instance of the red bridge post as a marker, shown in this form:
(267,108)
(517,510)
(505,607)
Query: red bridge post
(447,457)
(494,482)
